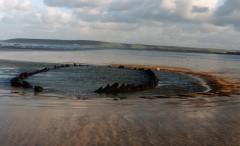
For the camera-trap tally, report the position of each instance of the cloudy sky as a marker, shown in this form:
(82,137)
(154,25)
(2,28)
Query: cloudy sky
(193,23)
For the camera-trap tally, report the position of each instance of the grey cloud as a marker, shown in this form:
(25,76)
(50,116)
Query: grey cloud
(228,7)
(196,9)
(228,14)
(149,11)
(122,5)
(86,16)
(233,21)
(73,3)
(117,11)
(136,11)
(126,11)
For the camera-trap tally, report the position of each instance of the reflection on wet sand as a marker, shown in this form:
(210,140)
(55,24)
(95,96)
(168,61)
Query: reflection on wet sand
(195,121)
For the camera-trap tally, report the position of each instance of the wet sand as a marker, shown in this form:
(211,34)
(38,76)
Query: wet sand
(218,86)
(206,119)
(196,122)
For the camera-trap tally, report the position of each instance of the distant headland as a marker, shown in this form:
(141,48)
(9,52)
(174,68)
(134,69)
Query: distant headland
(24,43)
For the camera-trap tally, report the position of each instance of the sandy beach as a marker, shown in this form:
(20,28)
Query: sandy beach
(197,120)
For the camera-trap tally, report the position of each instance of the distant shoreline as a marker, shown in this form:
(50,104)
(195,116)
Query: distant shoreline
(72,45)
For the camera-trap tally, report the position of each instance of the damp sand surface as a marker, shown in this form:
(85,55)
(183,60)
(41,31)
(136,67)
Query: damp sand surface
(28,119)
(32,120)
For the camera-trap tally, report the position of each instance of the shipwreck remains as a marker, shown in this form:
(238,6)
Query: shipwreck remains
(152,82)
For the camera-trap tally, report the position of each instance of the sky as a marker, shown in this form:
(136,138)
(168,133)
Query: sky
(190,23)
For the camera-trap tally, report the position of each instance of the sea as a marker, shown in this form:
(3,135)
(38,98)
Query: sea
(69,112)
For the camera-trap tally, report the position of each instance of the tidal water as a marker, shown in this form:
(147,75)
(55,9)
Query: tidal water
(29,119)
(220,64)
(82,81)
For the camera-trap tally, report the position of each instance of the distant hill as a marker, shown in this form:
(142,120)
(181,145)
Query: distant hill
(54,42)
(109,45)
